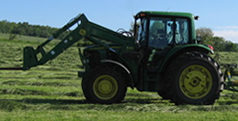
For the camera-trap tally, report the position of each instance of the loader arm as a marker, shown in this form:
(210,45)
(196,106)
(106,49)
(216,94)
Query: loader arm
(85,30)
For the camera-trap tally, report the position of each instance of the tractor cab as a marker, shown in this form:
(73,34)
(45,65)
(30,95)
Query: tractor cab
(157,35)
(159,30)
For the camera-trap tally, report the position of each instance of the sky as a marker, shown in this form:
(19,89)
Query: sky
(219,15)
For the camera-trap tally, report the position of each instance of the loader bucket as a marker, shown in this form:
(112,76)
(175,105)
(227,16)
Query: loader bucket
(29,58)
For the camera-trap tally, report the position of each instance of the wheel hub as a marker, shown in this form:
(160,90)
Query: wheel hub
(105,87)
(195,81)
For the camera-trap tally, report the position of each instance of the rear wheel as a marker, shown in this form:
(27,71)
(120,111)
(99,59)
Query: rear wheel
(104,85)
(195,79)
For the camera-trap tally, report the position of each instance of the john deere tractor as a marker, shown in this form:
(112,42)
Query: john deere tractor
(162,55)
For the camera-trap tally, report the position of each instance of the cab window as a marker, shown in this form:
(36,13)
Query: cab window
(165,31)
(141,31)
(182,30)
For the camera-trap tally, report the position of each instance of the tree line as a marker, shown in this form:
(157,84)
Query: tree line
(24,28)
(219,43)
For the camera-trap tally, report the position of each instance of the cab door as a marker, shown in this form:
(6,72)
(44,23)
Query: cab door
(163,34)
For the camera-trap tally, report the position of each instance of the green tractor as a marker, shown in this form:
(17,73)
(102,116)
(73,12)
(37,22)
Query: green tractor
(163,56)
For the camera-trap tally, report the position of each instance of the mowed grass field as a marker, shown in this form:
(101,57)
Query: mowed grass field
(53,92)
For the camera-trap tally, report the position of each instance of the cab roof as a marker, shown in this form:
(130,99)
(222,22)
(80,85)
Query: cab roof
(159,13)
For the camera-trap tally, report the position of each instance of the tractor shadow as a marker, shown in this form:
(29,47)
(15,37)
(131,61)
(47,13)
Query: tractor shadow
(228,102)
(46,101)
(53,101)
(35,101)
(38,104)
(146,101)
(78,102)
(83,101)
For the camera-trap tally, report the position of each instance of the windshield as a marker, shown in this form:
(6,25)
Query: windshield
(165,31)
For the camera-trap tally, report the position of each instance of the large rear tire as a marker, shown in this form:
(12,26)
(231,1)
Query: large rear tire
(195,79)
(104,85)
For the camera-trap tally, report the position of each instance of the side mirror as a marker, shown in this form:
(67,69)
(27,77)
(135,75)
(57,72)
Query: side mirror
(196,17)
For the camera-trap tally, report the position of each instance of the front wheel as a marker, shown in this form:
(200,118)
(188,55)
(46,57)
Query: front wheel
(195,79)
(104,85)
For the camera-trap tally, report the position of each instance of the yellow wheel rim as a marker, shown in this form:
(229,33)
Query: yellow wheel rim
(105,87)
(195,82)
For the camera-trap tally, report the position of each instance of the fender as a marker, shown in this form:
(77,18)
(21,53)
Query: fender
(131,83)
(117,63)
(178,50)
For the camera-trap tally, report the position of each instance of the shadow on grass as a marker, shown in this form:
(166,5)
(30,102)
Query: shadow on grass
(75,101)
(70,101)
(30,83)
(52,101)
(81,104)
(127,105)
(138,95)
(146,101)
(32,103)
(230,102)
(18,91)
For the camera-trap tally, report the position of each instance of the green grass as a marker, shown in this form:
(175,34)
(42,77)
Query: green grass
(90,115)
(228,57)
(53,92)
